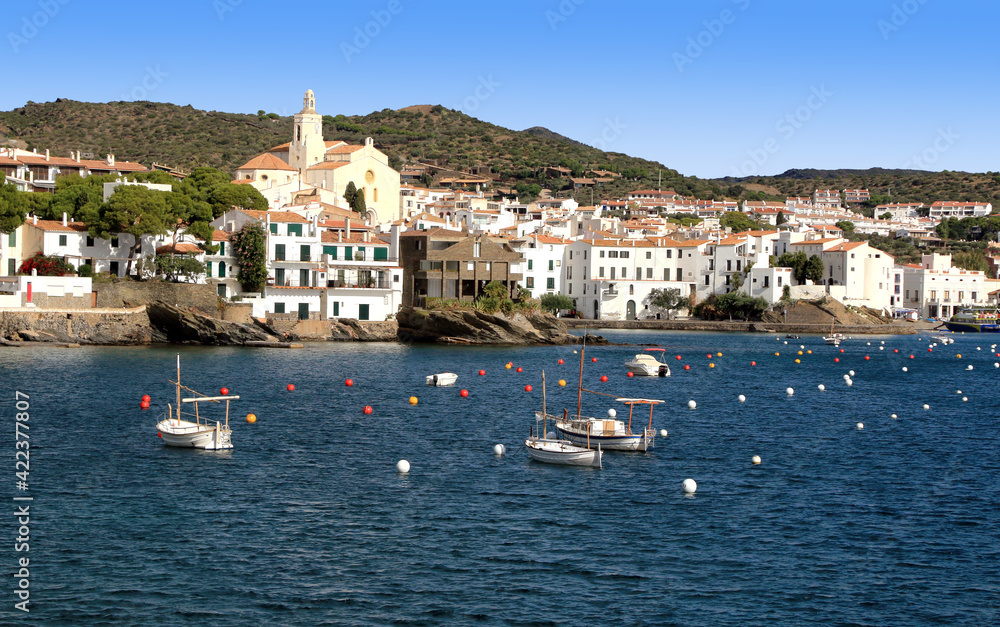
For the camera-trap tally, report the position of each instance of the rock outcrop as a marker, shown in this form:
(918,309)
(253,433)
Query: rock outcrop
(121,327)
(468,326)
(187,326)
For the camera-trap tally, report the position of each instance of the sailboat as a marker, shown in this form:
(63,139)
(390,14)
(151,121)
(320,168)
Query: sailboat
(554,451)
(201,433)
(611,433)
(834,339)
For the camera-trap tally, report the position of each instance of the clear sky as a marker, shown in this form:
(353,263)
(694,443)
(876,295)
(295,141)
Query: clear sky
(710,88)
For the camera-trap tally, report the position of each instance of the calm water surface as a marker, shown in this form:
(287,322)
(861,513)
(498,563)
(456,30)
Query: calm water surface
(306,522)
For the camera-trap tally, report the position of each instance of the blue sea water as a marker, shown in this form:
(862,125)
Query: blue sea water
(306,521)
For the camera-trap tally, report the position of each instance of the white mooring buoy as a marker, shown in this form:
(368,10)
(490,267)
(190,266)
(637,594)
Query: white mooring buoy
(692,404)
(403,466)
(850,372)
(860,426)
(663,433)
(755,459)
(905,369)
(821,387)
(499,450)
(965,399)
(849,382)
(689,486)
(741,398)
(926,406)
(789,391)
(893,416)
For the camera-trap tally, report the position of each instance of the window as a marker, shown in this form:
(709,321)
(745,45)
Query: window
(973,297)
(208,268)
(649,273)
(274,228)
(897,289)
(222,270)
(279,252)
(222,248)
(569,288)
(767,281)
(419,245)
(623,254)
(62,240)
(729,265)
(477,249)
(649,254)
(600,272)
(897,278)
(336,308)
(947,295)
(933,294)
(728,276)
(613,254)
(680,274)
(779,281)
(90,241)
(529,264)
(551,265)
(550,283)
(279,308)
(12,239)
(569,272)
(706,279)
(114,242)
(382,254)
(670,254)
(961,296)
(631,290)
(530,282)
(624,273)
(738,262)
(295,229)
(585,255)
(571,254)
(711,265)
(304,252)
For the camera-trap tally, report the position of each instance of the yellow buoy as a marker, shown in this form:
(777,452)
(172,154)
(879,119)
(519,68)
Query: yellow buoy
(798,361)
(959,355)
(809,352)
(562,383)
(508,366)
(777,354)
(800,352)
(711,365)
(413,400)
(718,354)
(251,418)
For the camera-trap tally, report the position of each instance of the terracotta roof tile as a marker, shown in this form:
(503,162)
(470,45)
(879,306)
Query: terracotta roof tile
(266,161)
(57,225)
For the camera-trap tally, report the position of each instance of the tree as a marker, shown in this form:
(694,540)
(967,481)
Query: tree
(13,208)
(355,198)
(781,219)
(886,216)
(845,225)
(176,268)
(225,196)
(134,210)
(557,302)
(667,299)
(797,262)
(250,250)
(737,221)
(814,269)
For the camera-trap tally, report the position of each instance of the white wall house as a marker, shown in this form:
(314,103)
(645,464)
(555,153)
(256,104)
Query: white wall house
(542,268)
(936,288)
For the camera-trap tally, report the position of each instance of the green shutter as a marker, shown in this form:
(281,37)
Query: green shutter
(348,254)
(529,264)
(279,307)
(279,252)
(550,265)
(12,238)
(274,230)
(208,268)
(304,252)
(336,309)
(381,254)
(330,250)
(222,248)
(295,229)
(222,270)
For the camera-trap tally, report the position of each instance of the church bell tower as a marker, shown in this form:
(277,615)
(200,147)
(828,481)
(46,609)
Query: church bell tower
(307,147)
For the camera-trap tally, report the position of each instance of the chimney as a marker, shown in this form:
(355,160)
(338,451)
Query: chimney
(347,227)
(34,219)
(78,156)
(111,159)
(46,154)
(340,236)
(64,218)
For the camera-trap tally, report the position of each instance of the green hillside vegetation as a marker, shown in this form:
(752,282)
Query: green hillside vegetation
(903,185)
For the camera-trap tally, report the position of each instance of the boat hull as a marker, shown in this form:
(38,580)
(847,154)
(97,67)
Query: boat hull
(442,379)
(645,370)
(973,327)
(634,442)
(184,434)
(562,452)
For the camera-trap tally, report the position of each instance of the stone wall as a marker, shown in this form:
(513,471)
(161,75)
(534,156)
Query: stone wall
(238,312)
(135,293)
(84,326)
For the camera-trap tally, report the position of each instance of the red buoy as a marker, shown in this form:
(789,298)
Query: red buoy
(930,350)
(836,359)
(911,356)
(709,355)
(895,350)
(144,404)
(604,378)
(159,435)
(520,369)
(593,359)
(482,373)
(349,382)
(753,363)
(867,358)
(687,367)
(560,362)
(630,375)
(842,350)
(224,391)
(367,409)
(678,358)
(145,398)
(464,393)
(527,388)
(290,387)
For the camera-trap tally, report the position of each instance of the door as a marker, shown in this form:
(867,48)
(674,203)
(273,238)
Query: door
(303,277)
(630,310)
(303,311)
(279,276)
(114,268)
(362,312)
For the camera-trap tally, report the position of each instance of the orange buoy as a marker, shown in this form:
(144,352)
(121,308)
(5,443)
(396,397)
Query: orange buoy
(349,382)
(251,418)
(604,378)
(464,393)
(508,365)
(145,398)
(527,388)
(367,409)
(711,365)
(777,354)
(482,373)
(224,391)
(290,387)
(414,400)
(562,383)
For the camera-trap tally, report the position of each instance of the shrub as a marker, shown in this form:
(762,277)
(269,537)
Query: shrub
(45,266)
(85,270)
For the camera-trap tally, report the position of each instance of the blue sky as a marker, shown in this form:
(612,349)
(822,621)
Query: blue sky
(711,88)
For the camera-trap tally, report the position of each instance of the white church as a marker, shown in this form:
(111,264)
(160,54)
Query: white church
(309,162)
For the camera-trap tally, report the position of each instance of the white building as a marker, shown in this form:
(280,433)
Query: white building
(542,268)
(936,288)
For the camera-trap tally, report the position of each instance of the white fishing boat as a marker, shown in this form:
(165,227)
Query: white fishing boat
(943,340)
(442,379)
(200,433)
(646,364)
(553,451)
(611,434)
(834,339)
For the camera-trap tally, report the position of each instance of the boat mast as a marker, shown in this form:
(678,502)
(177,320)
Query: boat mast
(545,416)
(579,389)
(178,388)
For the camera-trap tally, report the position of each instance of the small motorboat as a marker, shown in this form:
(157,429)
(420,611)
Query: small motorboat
(792,337)
(646,364)
(442,379)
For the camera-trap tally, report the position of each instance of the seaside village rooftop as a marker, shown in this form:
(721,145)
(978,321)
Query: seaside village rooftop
(407,244)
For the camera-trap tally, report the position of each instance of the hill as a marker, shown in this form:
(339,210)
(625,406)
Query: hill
(884,185)
(185,137)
